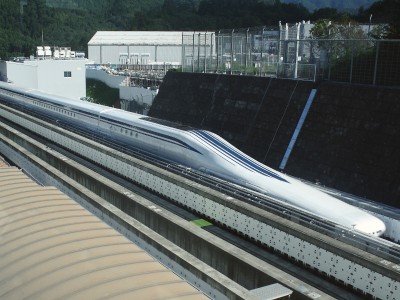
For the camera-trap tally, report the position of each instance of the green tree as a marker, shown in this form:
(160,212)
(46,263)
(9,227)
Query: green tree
(12,42)
(10,14)
(385,12)
(344,50)
(35,17)
(329,13)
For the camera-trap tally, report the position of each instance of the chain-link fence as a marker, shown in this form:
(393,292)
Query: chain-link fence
(285,54)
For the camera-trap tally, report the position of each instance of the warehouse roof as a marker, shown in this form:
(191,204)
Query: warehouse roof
(51,248)
(160,38)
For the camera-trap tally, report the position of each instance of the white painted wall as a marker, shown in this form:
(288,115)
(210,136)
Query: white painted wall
(113,81)
(20,74)
(127,93)
(110,54)
(140,95)
(52,80)
(48,76)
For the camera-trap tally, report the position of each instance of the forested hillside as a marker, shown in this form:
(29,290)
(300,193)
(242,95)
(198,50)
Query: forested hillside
(348,6)
(73,22)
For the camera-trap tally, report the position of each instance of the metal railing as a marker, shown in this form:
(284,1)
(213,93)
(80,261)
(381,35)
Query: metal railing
(267,52)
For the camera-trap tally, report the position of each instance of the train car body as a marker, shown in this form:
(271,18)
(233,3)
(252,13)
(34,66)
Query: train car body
(200,150)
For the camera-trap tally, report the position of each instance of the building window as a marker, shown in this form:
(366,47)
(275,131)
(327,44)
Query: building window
(67,74)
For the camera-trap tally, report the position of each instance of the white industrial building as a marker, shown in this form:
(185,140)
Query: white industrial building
(63,77)
(137,47)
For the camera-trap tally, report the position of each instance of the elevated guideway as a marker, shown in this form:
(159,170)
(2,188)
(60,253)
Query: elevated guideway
(166,226)
(325,255)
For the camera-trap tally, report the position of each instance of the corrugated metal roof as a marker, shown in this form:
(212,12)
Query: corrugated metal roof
(3,163)
(51,247)
(150,38)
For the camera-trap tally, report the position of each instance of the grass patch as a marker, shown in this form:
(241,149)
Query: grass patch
(201,222)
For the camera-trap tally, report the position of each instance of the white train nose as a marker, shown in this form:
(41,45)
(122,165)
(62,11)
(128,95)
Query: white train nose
(374,226)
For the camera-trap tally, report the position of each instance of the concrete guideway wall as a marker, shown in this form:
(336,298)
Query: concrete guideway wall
(327,256)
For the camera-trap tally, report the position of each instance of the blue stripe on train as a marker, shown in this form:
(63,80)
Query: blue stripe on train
(237,156)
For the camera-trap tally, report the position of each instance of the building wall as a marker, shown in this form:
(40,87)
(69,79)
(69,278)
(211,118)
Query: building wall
(52,78)
(129,95)
(113,81)
(137,54)
(19,74)
(3,71)
(49,76)
(138,94)
(94,54)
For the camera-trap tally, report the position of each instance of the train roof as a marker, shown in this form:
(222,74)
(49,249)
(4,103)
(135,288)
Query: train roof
(168,123)
(120,115)
(130,118)
(92,107)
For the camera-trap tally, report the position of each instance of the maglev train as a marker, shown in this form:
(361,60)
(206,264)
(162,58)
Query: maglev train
(200,150)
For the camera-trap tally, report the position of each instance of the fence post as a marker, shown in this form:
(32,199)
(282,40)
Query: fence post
(233,30)
(194,33)
(351,61)
(212,50)
(217,43)
(205,52)
(183,54)
(247,49)
(198,53)
(296,66)
(329,59)
(261,51)
(376,61)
